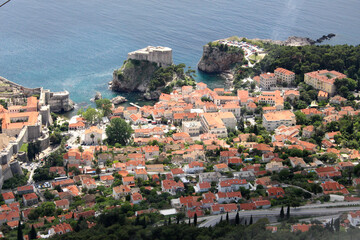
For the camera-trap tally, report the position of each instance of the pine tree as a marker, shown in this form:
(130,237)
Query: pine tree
(288,212)
(177,219)
(189,222)
(237,219)
(19,232)
(256,132)
(245,222)
(227,217)
(337,224)
(282,214)
(169,221)
(32,233)
(251,220)
(221,219)
(195,219)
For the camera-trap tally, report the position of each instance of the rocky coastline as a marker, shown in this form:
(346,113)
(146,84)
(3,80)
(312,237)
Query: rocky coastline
(216,60)
(296,41)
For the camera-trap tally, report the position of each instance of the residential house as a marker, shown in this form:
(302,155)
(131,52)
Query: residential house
(8,197)
(172,187)
(60,229)
(331,187)
(177,172)
(25,189)
(296,161)
(209,177)
(30,199)
(222,208)
(354,218)
(121,191)
(194,167)
(150,152)
(232,185)
(221,167)
(308,131)
(141,173)
(228,197)
(275,192)
(93,135)
(88,183)
(202,187)
(274,166)
(63,204)
(300,227)
(107,179)
(129,181)
(136,198)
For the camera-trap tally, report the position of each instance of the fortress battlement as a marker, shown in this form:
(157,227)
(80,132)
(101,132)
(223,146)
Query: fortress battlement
(162,56)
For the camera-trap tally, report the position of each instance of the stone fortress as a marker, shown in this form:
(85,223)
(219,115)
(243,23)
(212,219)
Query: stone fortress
(26,119)
(162,56)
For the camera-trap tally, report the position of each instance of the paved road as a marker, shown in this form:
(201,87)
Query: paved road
(43,154)
(273,213)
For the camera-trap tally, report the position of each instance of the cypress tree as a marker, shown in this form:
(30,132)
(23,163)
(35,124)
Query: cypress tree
(282,214)
(221,219)
(19,232)
(237,219)
(195,219)
(288,212)
(337,224)
(177,219)
(169,220)
(227,217)
(32,233)
(251,220)
(245,222)
(189,222)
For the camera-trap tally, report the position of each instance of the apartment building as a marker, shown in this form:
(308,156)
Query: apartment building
(284,76)
(323,80)
(267,80)
(273,120)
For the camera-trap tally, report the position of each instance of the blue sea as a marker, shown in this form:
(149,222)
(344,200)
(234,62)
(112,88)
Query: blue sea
(75,45)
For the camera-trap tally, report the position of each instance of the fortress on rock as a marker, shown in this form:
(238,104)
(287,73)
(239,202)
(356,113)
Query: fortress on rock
(162,56)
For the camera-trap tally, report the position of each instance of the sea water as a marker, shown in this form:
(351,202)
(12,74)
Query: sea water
(75,45)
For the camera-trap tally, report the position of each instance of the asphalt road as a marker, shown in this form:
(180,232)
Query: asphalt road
(273,213)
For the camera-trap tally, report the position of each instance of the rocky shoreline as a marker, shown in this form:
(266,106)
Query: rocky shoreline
(296,41)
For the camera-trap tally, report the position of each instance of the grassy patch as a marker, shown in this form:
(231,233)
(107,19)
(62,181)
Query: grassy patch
(24,147)
(256,58)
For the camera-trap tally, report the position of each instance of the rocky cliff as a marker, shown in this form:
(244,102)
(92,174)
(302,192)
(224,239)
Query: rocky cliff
(216,58)
(147,78)
(133,76)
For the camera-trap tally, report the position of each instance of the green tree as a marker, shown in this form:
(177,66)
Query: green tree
(33,233)
(227,217)
(282,214)
(195,219)
(118,131)
(288,212)
(237,219)
(91,115)
(105,105)
(19,232)
(251,220)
